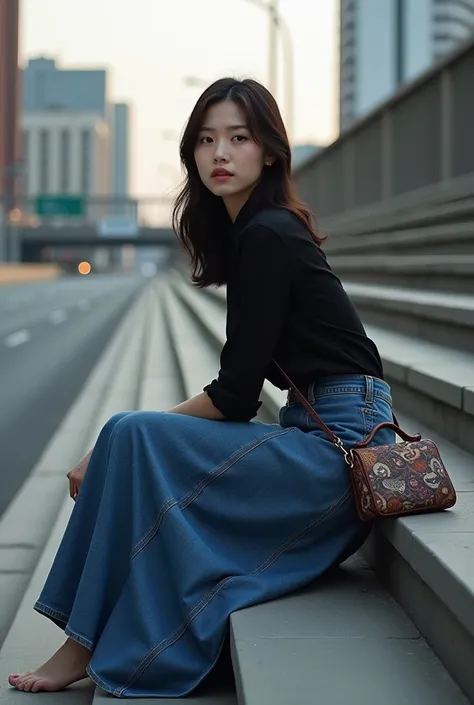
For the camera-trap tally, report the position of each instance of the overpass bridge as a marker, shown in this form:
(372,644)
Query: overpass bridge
(32,241)
(83,222)
(395,624)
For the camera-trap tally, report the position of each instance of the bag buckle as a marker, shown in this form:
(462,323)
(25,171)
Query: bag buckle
(348,457)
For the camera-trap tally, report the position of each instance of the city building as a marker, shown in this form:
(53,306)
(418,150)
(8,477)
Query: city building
(10,155)
(120,164)
(46,87)
(387,43)
(81,97)
(65,152)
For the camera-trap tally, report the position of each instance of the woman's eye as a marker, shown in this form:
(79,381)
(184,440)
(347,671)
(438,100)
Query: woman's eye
(203,140)
(240,138)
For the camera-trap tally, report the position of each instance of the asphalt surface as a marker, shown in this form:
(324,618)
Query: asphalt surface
(51,336)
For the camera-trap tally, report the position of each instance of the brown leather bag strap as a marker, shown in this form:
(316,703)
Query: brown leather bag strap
(302,399)
(337,441)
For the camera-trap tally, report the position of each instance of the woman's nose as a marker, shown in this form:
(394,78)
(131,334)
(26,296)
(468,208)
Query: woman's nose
(221,152)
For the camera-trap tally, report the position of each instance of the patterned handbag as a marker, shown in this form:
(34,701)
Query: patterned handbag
(391,480)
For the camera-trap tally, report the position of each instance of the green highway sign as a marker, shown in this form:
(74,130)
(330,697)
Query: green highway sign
(60,205)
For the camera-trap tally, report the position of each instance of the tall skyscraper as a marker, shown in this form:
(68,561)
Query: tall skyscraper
(387,43)
(9,103)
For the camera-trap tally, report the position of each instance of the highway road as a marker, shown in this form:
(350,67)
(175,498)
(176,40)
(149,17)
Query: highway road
(51,335)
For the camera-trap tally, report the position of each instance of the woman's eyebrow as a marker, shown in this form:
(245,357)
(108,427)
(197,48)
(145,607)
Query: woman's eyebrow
(231,127)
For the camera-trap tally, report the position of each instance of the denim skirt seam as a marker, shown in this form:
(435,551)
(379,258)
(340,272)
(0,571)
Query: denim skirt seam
(50,612)
(188,499)
(229,462)
(101,683)
(80,639)
(202,604)
(63,619)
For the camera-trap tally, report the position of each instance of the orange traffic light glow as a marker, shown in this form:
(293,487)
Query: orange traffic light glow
(84,268)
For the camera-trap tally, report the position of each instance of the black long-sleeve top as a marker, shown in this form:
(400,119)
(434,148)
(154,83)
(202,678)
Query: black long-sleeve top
(284,302)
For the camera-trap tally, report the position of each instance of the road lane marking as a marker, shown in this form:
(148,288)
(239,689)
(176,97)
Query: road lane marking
(58,316)
(18,338)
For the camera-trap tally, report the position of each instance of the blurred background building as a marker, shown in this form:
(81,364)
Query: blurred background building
(75,140)
(387,43)
(65,152)
(120,155)
(10,164)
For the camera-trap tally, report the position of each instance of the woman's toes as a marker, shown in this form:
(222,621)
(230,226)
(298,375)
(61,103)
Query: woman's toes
(27,683)
(36,686)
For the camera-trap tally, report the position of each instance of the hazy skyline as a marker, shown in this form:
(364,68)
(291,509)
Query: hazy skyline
(150,48)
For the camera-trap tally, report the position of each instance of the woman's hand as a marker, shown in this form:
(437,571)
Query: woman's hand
(76,476)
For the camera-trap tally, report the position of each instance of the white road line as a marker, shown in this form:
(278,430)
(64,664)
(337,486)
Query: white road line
(18,338)
(58,316)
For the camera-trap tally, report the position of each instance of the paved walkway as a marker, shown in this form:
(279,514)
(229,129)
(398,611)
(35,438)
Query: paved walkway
(22,273)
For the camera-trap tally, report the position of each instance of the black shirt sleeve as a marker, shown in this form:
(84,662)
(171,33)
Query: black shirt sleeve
(261,293)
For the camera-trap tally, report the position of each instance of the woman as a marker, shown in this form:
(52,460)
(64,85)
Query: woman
(185,516)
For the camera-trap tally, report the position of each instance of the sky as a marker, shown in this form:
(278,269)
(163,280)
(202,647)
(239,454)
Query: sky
(150,46)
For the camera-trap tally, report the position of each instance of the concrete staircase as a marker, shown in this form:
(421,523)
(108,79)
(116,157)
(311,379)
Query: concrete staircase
(395,624)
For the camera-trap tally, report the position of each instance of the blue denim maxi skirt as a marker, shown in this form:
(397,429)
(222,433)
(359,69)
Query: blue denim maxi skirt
(180,521)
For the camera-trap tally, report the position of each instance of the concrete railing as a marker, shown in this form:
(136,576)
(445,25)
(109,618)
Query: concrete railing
(418,142)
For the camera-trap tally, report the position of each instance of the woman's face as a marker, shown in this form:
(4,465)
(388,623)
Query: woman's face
(228,159)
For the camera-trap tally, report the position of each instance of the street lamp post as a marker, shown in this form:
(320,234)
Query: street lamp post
(272,46)
(278,23)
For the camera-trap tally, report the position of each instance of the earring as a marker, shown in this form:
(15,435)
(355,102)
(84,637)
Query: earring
(267,163)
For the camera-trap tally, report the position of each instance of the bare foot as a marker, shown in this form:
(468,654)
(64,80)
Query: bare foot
(67,666)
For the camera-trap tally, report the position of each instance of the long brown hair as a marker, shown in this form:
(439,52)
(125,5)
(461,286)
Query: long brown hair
(200,218)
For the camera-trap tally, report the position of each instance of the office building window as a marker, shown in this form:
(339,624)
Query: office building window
(65,160)
(85,161)
(44,161)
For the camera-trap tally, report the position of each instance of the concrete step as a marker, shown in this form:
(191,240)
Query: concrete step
(450,238)
(433,272)
(198,365)
(205,696)
(429,569)
(438,317)
(344,640)
(448,203)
